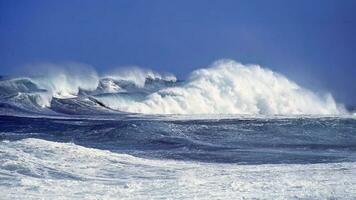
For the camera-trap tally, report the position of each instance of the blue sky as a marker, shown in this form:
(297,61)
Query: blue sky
(310,41)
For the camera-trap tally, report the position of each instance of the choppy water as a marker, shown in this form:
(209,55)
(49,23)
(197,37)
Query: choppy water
(243,132)
(212,157)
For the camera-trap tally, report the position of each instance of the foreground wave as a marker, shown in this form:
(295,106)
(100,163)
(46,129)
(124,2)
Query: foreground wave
(60,170)
(227,87)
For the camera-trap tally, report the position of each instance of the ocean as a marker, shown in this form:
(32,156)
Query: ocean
(227,132)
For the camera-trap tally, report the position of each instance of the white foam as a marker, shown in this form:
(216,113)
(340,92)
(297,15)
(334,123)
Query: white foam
(65,82)
(109,86)
(62,81)
(229,87)
(39,169)
(138,75)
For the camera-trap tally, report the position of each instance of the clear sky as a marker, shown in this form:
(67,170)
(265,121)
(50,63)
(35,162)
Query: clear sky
(310,41)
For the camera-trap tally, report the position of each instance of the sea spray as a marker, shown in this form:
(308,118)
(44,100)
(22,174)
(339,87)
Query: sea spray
(228,87)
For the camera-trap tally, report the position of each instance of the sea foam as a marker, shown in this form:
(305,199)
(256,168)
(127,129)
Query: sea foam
(226,87)
(229,87)
(34,169)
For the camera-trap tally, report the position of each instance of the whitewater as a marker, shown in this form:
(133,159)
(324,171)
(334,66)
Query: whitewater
(228,131)
(226,87)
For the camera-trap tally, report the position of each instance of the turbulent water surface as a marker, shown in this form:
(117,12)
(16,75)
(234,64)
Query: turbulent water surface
(228,131)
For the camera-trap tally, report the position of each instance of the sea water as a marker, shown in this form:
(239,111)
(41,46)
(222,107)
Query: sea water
(228,132)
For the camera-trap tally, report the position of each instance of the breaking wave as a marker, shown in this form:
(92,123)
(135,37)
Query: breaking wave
(36,169)
(226,87)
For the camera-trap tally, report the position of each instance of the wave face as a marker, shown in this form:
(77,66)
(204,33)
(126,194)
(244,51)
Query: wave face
(227,87)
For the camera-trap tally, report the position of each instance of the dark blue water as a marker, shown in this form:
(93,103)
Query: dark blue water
(243,141)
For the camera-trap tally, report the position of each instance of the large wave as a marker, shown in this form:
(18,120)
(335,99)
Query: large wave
(229,87)
(226,87)
(52,81)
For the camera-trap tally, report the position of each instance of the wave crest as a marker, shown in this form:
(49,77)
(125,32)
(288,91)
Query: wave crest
(229,87)
(226,87)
